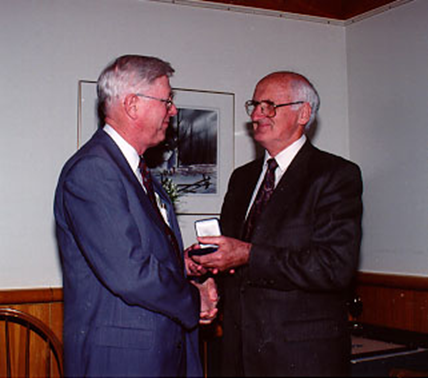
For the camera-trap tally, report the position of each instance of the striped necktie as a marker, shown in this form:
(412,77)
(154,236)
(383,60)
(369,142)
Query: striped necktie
(264,193)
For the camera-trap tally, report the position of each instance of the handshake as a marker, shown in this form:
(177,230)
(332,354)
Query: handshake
(213,254)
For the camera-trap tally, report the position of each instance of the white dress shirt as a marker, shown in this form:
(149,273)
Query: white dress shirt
(283,159)
(133,160)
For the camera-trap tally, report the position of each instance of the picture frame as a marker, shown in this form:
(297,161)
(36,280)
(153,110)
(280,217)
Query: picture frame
(198,164)
(87,111)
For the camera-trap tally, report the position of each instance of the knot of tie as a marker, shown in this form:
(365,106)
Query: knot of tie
(271,167)
(272,164)
(147,180)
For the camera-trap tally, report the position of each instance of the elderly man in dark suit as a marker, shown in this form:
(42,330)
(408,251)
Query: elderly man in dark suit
(129,310)
(291,224)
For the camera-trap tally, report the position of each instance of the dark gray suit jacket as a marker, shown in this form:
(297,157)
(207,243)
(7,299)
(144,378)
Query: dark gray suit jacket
(129,311)
(285,312)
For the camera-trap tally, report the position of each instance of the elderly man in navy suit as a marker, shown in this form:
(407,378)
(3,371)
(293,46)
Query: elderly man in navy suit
(292,227)
(129,309)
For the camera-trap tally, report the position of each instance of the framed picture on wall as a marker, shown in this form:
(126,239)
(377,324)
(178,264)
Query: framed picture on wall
(197,156)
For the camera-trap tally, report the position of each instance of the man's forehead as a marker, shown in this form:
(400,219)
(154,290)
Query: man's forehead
(162,82)
(272,87)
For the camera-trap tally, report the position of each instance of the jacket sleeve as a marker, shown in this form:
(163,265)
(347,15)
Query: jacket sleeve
(318,252)
(122,246)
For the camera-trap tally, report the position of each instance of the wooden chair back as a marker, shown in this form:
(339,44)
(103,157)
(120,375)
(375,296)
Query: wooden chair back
(28,347)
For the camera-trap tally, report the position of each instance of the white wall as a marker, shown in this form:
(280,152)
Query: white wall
(387,80)
(48,45)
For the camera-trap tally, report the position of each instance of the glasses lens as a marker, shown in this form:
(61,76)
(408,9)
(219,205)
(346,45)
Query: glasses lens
(169,104)
(267,108)
(250,106)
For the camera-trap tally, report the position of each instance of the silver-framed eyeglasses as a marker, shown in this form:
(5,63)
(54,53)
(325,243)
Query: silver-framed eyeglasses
(267,107)
(169,102)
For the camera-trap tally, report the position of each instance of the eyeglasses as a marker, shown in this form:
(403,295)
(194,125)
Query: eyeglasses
(267,107)
(168,102)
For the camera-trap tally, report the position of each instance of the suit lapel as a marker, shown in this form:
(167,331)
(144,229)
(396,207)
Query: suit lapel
(250,177)
(119,159)
(288,189)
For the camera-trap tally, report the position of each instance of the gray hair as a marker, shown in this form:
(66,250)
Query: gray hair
(305,91)
(126,74)
(301,88)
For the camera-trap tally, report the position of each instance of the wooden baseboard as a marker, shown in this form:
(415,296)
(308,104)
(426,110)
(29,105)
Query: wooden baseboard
(26,296)
(46,304)
(416,283)
(394,301)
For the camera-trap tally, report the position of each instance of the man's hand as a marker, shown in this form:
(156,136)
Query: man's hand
(193,268)
(231,253)
(208,300)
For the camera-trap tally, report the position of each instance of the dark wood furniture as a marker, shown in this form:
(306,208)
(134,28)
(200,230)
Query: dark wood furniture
(29,347)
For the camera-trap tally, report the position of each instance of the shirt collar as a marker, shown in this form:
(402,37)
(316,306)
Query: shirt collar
(127,150)
(286,156)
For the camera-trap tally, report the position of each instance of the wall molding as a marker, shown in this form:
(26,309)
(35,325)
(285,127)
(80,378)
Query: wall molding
(418,283)
(55,294)
(33,295)
(389,300)
(283,15)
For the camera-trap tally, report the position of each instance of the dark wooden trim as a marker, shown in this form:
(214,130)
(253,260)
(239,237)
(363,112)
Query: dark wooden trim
(334,9)
(407,282)
(25,296)
(49,295)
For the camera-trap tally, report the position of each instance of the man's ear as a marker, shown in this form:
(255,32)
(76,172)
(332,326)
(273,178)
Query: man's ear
(131,106)
(305,114)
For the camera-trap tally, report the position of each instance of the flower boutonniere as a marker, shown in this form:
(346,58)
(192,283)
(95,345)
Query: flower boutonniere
(171,189)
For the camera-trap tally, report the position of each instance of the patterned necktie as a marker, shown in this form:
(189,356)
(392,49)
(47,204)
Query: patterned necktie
(264,193)
(147,183)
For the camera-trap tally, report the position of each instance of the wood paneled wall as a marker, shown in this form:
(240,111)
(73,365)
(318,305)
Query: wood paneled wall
(388,300)
(46,304)
(394,301)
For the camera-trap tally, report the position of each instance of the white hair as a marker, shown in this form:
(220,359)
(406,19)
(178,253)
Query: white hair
(305,91)
(126,74)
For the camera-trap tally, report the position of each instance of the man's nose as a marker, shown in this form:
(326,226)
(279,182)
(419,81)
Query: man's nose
(257,113)
(173,111)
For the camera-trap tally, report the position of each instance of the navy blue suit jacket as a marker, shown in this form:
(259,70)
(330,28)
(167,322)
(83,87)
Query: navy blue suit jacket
(129,309)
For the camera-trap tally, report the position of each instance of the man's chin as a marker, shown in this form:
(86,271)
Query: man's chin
(259,135)
(159,139)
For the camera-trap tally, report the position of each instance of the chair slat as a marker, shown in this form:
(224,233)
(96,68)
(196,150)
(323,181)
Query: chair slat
(47,360)
(27,351)
(8,360)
